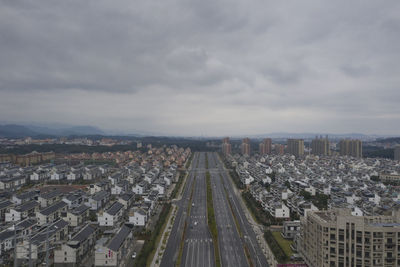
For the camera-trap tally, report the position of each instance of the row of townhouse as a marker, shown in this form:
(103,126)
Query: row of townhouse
(70,223)
(348,182)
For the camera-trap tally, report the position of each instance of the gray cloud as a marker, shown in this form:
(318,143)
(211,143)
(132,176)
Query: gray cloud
(202,67)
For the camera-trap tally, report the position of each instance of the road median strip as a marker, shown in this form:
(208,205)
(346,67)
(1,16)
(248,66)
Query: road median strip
(211,220)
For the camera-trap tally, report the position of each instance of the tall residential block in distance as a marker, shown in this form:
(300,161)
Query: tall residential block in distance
(351,148)
(336,238)
(295,147)
(320,146)
(397,153)
(265,146)
(226,146)
(279,149)
(245,146)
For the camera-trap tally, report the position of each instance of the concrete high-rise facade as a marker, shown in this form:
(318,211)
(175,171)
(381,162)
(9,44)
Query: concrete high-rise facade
(350,147)
(336,238)
(397,153)
(226,146)
(245,146)
(320,146)
(295,147)
(265,146)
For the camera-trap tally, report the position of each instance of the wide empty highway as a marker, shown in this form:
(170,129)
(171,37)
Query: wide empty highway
(172,249)
(198,247)
(248,237)
(230,246)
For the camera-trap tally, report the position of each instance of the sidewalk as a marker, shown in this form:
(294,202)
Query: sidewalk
(164,236)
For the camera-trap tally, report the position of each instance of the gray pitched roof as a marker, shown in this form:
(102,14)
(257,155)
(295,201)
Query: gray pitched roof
(100,195)
(84,233)
(117,206)
(80,209)
(27,223)
(119,238)
(5,204)
(53,208)
(27,195)
(27,206)
(6,235)
(127,196)
(54,228)
(51,194)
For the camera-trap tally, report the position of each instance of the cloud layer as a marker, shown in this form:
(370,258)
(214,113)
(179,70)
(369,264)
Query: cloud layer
(203,67)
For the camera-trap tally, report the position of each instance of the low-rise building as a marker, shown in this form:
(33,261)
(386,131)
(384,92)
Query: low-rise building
(22,211)
(113,253)
(138,217)
(51,213)
(78,215)
(75,250)
(112,216)
(290,229)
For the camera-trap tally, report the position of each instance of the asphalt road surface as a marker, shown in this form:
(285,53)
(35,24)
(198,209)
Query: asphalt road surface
(248,238)
(198,248)
(172,249)
(230,246)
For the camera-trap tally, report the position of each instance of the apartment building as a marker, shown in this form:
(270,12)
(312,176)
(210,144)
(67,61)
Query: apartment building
(320,146)
(351,148)
(245,146)
(226,146)
(336,238)
(265,146)
(295,147)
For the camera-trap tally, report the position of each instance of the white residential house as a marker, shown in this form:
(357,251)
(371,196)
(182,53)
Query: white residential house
(351,199)
(75,175)
(25,197)
(100,186)
(127,199)
(51,213)
(75,250)
(138,217)
(139,188)
(22,211)
(285,194)
(311,190)
(78,215)
(112,215)
(159,188)
(59,175)
(280,210)
(167,180)
(12,183)
(117,189)
(356,211)
(49,198)
(112,253)
(39,175)
(98,200)
(376,199)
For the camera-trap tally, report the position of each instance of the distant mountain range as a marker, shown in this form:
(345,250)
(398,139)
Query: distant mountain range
(20,131)
(57,130)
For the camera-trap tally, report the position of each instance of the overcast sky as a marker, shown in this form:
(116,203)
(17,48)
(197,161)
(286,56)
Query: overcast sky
(204,67)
